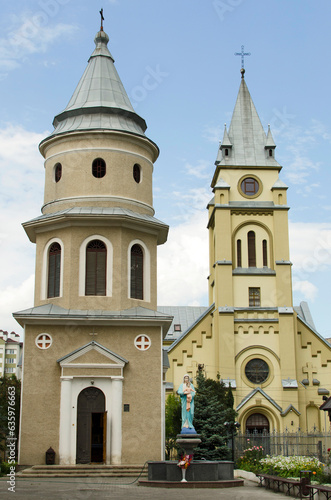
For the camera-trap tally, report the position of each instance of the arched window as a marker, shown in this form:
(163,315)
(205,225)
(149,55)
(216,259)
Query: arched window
(251,249)
(238,253)
(226,152)
(58,172)
(136,173)
(99,168)
(137,273)
(54,271)
(257,423)
(96,263)
(265,253)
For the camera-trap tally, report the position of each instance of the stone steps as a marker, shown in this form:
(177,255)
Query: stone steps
(80,470)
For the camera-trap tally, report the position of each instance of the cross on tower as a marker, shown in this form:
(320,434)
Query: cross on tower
(242,54)
(102,19)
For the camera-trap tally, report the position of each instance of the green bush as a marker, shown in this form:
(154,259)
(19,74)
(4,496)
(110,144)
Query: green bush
(5,468)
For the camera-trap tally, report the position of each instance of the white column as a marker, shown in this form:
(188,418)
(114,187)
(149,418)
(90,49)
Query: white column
(65,422)
(116,420)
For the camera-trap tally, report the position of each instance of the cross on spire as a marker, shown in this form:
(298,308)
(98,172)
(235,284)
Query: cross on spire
(242,54)
(102,19)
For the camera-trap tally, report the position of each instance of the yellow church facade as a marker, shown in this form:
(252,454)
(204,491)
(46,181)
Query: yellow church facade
(269,351)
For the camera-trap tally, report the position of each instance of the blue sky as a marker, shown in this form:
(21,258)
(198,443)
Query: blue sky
(176,61)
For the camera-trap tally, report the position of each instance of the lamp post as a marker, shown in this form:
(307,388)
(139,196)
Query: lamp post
(232,428)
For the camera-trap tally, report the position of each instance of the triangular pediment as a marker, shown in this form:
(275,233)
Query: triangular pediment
(261,392)
(92,354)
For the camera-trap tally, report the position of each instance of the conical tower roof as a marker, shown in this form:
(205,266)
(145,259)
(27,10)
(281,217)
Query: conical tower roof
(100,100)
(246,135)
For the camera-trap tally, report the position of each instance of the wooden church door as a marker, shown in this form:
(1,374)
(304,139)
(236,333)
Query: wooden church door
(91,426)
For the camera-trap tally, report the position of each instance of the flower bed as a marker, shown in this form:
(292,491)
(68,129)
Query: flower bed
(290,466)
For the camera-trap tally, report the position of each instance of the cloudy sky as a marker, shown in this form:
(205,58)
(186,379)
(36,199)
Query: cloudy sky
(176,60)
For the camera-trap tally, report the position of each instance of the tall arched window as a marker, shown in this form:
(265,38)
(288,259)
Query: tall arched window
(265,253)
(137,273)
(54,271)
(96,266)
(251,249)
(238,253)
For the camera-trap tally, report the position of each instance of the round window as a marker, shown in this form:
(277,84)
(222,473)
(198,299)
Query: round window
(257,371)
(249,186)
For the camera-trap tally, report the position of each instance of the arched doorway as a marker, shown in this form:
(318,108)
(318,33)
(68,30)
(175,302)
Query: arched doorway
(257,423)
(91,426)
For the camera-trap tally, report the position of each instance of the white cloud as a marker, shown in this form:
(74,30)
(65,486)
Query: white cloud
(199,170)
(21,196)
(183,264)
(30,34)
(14,299)
(307,289)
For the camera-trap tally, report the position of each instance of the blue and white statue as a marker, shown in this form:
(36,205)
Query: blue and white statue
(186,392)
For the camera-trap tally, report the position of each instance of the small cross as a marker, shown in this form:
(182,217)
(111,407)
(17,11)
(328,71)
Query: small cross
(242,54)
(44,341)
(142,343)
(102,19)
(310,370)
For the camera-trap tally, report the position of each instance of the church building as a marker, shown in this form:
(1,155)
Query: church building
(93,358)
(278,365)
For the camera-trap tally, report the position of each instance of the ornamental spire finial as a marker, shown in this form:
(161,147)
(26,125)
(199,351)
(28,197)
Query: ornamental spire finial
(242,54)
(102,19)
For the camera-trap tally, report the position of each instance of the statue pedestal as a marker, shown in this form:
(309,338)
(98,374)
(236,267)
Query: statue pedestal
(188,442)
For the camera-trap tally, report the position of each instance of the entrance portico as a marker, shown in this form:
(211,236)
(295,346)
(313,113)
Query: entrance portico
(77,369)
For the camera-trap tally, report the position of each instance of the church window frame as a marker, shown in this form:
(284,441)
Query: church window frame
(57,172)
(82,265)
(98,168)
(43,341)
(257,370)
(254,296)
(251,248)
(137,272)
(96,268)
(136,173)
(45,269)
(250,186)
(239,255)
(265,253)
(146,271)
(54,270)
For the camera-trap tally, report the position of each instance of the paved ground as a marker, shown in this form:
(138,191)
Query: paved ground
(122,489)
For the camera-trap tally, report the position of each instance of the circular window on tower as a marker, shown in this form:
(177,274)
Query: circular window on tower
(99,168)
(137,173)
(57,172)
(257,370)
(250,186)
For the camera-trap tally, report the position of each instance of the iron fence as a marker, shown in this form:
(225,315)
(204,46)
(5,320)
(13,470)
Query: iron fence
(313,444)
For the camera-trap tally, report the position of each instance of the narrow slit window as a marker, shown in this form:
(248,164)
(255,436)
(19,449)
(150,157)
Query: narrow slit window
(137,273)
(238,253)
(265,253)
(54,271)
(96,264)
(136,173)
(251,249)
(58,172)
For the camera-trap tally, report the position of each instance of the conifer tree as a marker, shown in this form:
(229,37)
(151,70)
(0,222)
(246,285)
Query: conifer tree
(213,407)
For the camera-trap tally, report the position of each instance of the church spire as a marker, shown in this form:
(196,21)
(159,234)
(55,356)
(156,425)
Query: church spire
(246,135)
(100,101)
